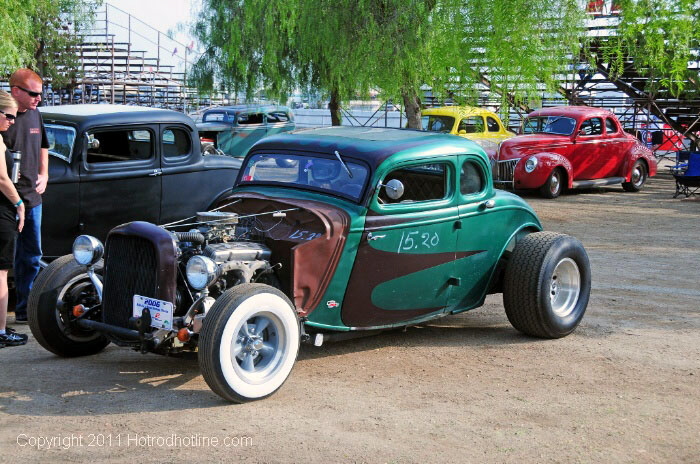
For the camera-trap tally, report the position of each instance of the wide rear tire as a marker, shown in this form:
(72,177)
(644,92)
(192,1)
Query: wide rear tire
(249,342)
(63,282)
(547,285)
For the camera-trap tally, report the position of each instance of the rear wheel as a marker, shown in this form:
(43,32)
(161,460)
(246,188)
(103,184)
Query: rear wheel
(249,342)
(553,187)
(637,179)
(547,285)
(59,287)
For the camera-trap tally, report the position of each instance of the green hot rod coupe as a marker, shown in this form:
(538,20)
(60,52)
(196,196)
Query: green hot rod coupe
(328,233)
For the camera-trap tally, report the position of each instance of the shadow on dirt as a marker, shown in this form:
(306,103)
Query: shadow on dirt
(120,381)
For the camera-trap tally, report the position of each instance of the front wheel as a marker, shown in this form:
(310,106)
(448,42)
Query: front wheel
(637,178)
(553,187)
(59,287)
(547,285)
(249,342)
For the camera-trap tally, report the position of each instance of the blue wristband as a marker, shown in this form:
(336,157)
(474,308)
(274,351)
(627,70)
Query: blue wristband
(16,205)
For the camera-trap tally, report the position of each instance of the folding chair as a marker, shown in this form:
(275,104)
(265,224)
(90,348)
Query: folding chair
(687,174)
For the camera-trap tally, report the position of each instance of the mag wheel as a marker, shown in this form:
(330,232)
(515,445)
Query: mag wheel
(547,285)
(59,287)
(249,342)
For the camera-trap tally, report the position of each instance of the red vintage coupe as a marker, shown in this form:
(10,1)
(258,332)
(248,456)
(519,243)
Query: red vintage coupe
(572,147)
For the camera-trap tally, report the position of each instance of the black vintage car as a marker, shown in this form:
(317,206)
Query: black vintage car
(111,164)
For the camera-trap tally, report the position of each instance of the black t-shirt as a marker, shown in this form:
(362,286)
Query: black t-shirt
(28,135)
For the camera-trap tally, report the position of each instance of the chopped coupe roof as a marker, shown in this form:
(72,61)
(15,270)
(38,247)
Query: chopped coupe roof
(89,115)
(372,144)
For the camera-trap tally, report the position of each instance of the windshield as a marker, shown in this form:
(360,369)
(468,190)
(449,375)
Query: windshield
(61,139)
(435,123)
(309,172)
(549,125)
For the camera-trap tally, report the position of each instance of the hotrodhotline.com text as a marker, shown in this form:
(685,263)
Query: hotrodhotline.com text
(136,440)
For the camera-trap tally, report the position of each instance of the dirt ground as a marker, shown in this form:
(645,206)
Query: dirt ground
(624,387)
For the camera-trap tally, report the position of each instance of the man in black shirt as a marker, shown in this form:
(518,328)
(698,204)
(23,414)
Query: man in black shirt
(28,136)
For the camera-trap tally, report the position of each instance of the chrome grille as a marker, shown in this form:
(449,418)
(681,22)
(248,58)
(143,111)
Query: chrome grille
(504,170)
(130,269)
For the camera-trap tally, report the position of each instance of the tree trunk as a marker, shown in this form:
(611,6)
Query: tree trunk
(334,106)
(411,103)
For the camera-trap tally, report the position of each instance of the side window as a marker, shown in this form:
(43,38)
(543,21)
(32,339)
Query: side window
(492,124)
(120,145)
(593,126)
(176,142)
(425,182)
(250,118)
(277,116)
(472,125)
(471,179)
(610,126)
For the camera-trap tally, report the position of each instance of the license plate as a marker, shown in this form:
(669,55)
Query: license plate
(161,311)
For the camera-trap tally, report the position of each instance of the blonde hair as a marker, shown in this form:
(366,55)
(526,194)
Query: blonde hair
(6,101)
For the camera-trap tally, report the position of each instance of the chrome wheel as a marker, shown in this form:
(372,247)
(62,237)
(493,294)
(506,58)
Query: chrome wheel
(555,184)
(249,342)
(565,287)
(259,348)
(638,175)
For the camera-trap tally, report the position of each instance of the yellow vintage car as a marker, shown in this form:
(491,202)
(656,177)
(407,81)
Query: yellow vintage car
(482,126)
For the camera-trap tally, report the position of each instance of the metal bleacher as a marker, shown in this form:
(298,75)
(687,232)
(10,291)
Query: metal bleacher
(123,60)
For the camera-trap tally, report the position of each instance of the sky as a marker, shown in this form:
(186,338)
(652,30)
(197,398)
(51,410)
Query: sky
(159,14)
(150,16)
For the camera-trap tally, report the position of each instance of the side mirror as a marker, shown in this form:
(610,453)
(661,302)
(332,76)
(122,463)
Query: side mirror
(92,142)
(394,189)
(462,132)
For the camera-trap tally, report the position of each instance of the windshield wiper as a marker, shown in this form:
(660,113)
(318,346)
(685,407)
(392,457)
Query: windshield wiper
(337,155)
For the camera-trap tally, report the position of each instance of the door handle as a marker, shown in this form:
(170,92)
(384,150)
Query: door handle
(371,236)
(156,172)
(488,204)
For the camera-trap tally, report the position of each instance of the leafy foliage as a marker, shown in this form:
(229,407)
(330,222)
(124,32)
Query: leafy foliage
(661,37)
(42,34)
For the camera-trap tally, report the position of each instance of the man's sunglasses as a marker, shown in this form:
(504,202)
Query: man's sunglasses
(29,92)
(10,117)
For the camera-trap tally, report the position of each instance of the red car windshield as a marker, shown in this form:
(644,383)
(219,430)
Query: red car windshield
(344,178)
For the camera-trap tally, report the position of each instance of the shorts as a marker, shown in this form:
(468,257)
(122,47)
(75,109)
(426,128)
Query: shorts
(8,236)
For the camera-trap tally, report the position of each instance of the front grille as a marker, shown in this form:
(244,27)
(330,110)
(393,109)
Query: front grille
(504,170)
(130,269)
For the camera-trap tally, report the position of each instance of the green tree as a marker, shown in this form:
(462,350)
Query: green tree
(349,46)
(42,35)
(654,40)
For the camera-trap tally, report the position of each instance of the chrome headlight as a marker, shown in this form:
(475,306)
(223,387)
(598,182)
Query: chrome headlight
(87,250)
(201,272)
(530,164)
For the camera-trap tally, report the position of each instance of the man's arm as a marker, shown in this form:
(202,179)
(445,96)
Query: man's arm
(43,177)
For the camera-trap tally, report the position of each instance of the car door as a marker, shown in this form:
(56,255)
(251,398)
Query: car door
(612,158)
(481,233)
(404,262)
(250,127)
(61,207)
(588,151)
(119,178)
